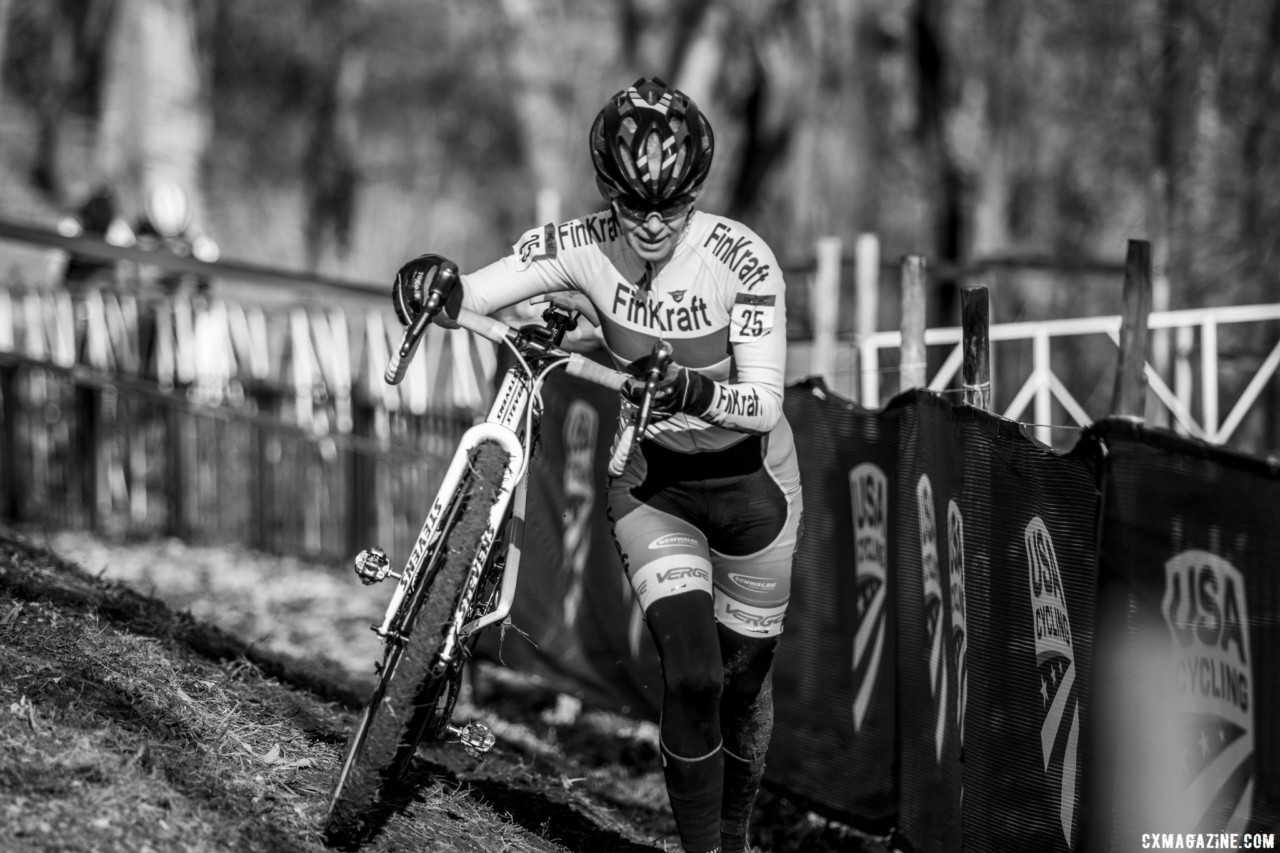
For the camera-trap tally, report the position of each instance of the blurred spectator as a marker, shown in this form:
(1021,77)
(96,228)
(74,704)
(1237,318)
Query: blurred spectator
(99,217)
(167,225)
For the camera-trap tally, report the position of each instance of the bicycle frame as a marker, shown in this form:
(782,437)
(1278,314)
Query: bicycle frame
(506,424)
(452,573)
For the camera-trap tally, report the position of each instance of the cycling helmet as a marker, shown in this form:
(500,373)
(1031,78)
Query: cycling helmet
(651,143)
(168,209)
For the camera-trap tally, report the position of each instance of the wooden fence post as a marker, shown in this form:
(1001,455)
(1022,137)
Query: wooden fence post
(824,309)
(867,313)
(362,501)
(10,480)
(1129,396)
(265,454)
(975,324)
(912,362)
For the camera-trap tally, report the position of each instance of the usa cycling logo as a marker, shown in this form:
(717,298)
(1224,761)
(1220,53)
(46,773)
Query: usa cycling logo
(869,488)
(1055,660)
(932,589)
(1204,608)
(674,540)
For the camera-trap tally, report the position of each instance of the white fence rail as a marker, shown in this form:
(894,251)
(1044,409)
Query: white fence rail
(1042,385)
(1185,372)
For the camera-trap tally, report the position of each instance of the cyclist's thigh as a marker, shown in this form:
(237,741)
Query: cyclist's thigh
(662,553)
(753,576)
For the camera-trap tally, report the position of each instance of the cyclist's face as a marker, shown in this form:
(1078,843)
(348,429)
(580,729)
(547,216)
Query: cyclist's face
(652,234)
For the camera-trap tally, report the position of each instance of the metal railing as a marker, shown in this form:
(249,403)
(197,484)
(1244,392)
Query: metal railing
(1194,365)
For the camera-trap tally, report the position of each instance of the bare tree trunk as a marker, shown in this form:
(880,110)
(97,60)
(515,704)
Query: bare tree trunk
(332,159)
(52,102)
(155,120)
(1174,122)
(5,6)
(552,139)
(1266,91)
(1003,104)
(1256,226)
(946,181)
(698,51)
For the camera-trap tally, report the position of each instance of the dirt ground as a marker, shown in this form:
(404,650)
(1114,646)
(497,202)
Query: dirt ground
(159,696)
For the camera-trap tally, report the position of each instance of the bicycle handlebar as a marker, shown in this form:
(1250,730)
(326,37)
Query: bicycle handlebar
(575,365)
(496,331)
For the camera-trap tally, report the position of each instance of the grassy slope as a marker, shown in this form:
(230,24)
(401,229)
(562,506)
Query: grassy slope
(125,726)
(132,722)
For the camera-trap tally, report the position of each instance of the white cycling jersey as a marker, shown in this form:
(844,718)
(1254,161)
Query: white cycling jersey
(719,300)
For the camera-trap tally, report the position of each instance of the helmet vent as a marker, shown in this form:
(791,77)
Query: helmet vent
(653,157)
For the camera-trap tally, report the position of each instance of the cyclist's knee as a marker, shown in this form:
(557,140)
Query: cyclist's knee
(684,632)
(747,659)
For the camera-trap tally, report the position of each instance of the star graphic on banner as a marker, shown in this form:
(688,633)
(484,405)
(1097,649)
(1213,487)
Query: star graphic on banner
(867,590)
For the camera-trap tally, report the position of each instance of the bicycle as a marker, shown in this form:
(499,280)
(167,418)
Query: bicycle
(460,577)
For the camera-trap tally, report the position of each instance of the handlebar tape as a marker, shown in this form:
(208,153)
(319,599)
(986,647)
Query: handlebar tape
(622,450)
(485,327)
(399,364)
(594,372)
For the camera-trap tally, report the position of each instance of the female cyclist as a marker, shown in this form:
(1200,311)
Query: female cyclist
(706,514)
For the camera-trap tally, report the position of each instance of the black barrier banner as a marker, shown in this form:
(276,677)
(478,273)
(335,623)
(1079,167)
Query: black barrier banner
(1187,742)
(932,685)
(577,623)
(833,741)
(1030,529)
(937,671)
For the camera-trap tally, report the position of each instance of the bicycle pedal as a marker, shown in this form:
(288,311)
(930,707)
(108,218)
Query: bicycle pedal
(476,739)
(372,566)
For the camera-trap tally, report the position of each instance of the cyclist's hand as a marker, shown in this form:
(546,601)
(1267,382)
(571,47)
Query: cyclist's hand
(680,390)
(419,277)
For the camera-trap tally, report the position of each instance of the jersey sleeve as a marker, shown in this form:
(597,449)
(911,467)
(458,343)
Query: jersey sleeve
(751,400)
(535,265)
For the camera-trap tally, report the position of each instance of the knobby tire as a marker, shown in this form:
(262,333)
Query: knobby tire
(416,691)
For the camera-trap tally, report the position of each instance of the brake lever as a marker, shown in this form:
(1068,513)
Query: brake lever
(658,361)
(632,431)
(399,364)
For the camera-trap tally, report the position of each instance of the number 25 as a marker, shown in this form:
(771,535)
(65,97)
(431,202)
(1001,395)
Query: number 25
(753,322)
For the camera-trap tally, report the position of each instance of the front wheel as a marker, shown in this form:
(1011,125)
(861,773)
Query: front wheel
(417,684)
